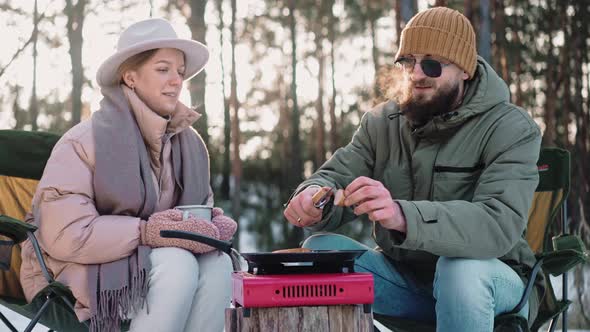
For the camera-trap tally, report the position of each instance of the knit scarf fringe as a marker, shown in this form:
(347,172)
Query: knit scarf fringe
(116,305)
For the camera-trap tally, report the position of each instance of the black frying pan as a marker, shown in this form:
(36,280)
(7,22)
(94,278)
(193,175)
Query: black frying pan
(314,256)
(329,257)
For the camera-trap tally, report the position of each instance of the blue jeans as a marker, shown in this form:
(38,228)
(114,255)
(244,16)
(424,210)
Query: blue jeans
(466,294)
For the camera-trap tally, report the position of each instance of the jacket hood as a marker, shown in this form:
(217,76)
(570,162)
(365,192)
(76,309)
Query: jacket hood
(483,92)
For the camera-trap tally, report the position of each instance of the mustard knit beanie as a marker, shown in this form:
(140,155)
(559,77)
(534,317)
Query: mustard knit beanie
(442,32)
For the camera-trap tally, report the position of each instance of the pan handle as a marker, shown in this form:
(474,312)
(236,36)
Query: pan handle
(224,246)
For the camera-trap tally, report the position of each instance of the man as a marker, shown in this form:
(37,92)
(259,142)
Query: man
(446,172)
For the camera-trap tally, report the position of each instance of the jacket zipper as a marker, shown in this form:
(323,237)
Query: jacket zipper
(452,169)
(412,182)
(431,191)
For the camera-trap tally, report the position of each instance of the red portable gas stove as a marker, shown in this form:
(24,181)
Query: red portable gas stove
(302,279)
(324,277)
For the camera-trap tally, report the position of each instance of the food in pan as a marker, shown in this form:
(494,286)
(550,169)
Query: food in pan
(292,250)
(321,197)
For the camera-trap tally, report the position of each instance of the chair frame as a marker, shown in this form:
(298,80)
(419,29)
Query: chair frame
(18,158)
(51,295)
(531,281)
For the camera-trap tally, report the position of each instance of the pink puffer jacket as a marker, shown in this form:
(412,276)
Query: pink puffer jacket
(71,232)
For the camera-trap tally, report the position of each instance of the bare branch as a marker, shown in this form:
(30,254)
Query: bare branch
(24,46)
(6,7)
(18,52)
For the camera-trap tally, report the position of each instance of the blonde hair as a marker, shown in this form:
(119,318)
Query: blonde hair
(134,62)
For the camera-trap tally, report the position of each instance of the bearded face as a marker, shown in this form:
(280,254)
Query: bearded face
(426,100)
(423,97)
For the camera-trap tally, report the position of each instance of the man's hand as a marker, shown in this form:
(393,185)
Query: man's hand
(371,197)
(300,211)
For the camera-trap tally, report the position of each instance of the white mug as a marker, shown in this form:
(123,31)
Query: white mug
(197,211)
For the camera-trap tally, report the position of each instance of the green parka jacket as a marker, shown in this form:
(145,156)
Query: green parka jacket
(465,180)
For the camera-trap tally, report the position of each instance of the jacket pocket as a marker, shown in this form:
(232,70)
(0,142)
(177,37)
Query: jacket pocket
(455,182)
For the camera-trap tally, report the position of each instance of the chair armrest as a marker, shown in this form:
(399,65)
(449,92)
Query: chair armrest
(561,261)
(556,262)
(15,229)
(568,251)
(568,241)
(18,231)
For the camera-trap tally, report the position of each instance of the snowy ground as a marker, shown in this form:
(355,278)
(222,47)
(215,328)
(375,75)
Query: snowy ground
(18,321)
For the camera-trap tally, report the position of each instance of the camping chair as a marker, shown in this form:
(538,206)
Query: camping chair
(23,156)
(555,256)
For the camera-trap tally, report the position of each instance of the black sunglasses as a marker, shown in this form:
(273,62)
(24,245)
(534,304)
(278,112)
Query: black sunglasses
(430,67)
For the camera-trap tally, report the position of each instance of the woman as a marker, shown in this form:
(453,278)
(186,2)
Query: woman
(110,186)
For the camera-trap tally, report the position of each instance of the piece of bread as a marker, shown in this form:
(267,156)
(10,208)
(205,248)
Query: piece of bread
(339,197)
(292,250)
(319,195)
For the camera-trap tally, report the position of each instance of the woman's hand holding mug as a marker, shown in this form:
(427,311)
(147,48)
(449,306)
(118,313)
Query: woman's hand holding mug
(172,219)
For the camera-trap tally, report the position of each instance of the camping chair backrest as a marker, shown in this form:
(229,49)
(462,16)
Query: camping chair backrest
(553,188)
(23,156)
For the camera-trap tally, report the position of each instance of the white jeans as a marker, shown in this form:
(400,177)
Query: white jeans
(186,292)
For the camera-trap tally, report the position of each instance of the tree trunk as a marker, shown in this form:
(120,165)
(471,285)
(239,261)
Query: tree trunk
(375,56)
(550,134)
(499,46)
(320,146)
(20,116)
(564,76)
(398,26)
(235,125)
(439,3)
(468,9)
(293,237)
(334,318)
(517,99)
(297,165)
(34,106)
(407,10)
(197,85)
(485,41)
(333,122)
(320,156)
(284,135)
(581,163)
(582,113)
(226,167)
(75,25)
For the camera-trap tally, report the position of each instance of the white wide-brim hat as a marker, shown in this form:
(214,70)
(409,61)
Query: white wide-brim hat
(147,35)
